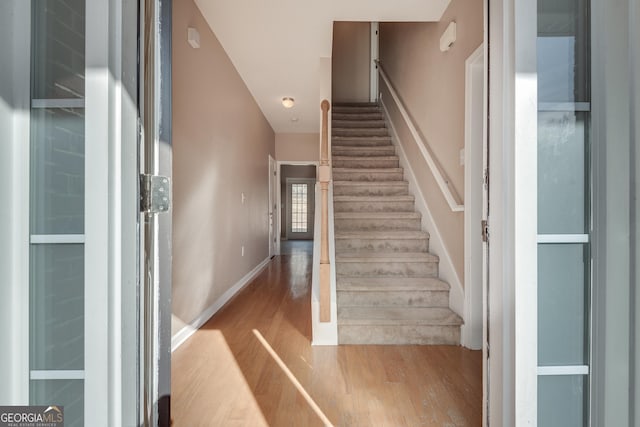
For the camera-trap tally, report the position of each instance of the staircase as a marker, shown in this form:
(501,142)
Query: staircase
(387,282)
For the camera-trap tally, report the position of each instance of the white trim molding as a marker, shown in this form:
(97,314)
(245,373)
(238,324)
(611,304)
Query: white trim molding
(474,198)
(443,181)
(183,334)
(43,239)
(563,238)
(56,375)
(563,370)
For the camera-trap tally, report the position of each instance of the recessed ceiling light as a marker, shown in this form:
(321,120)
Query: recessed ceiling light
(294,119)
(287,102)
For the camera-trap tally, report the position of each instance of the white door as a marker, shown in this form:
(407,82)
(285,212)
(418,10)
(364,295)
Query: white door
(273,208)
(68,222)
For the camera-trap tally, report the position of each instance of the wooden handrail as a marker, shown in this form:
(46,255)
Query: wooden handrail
(441,179)
(324,176)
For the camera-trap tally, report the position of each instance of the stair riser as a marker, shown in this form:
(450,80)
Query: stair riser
(364,151)
(367,176)
(360,132)
(357,123)
(368,224)
(384,245)
(360,142)
(393,299)
(398,335)
(369,163)
(356,110)
(387,269)
(357,116)
(373,190)
(373,206)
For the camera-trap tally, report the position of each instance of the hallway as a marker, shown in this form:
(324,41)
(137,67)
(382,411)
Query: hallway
(227,373)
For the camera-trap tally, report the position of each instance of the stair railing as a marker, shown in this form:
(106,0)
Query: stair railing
(324,176)
(450,195)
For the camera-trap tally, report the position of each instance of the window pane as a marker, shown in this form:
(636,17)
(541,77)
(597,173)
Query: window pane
(561,401)
(562,302)
(563,51)
(562,176)
(57,307)
(299,208)
(58,49)
(67,393)
(57,171)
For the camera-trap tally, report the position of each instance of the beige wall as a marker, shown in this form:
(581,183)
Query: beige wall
(431,84)
(297,147)
(350,61)
(221,146)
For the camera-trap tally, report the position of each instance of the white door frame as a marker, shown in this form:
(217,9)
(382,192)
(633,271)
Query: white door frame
(111,200)
(15,83)
(474,189)
(274,227)
(513,256)
(374,56)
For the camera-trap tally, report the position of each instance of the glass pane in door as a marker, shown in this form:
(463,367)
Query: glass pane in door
(299,208)
(57,177)
(563,400)
(564,212)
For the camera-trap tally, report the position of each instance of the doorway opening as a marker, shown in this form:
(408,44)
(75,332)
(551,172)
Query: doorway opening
(296,201)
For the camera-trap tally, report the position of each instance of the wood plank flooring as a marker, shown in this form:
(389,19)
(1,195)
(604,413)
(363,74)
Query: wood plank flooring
(224,376)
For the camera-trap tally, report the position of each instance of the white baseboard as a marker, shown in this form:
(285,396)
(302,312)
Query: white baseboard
(447,270)
(183,334)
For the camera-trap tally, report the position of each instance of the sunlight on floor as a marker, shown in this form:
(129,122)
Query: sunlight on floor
(229,397)
(293,379)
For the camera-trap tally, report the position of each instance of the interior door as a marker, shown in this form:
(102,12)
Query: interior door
(273,207)
(68,295)
(43,138)
(300,208)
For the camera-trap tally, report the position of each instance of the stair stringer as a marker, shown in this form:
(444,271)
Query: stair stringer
(447,271)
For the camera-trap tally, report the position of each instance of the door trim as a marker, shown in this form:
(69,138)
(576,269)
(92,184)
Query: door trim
(474,165)
(274,226)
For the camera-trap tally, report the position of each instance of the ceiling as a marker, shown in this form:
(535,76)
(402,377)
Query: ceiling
(276,46)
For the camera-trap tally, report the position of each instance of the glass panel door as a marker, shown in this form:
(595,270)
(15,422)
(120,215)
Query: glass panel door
(564,213)
(300,208)
(57,176)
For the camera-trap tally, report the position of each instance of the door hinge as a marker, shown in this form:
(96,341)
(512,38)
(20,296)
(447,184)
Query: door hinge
(486,177)
(485,230)
(155,193)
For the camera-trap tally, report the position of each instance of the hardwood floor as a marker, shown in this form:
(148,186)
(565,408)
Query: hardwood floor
(226,374)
